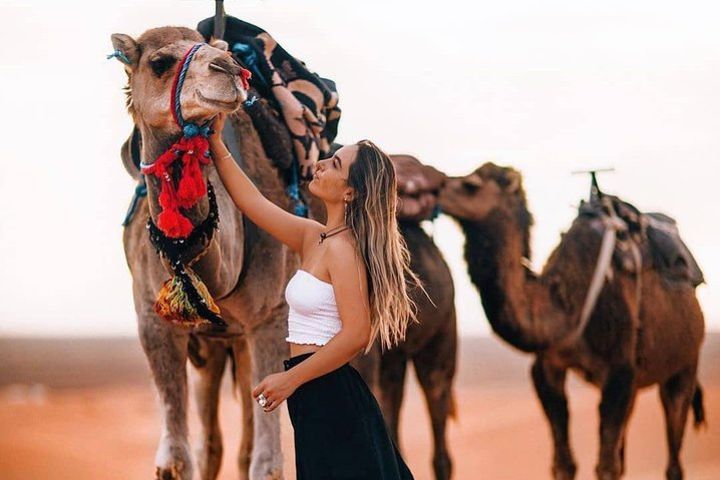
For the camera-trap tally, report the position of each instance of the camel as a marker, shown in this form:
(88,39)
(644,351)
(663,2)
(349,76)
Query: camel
(243,267)
(430,344)
(628,341)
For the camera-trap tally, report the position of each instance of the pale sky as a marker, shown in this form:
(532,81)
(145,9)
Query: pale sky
(546,87)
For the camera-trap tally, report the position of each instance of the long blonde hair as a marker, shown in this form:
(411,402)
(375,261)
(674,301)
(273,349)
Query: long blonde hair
(371,215)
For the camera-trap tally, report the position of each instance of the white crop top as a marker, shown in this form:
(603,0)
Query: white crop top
(313,317)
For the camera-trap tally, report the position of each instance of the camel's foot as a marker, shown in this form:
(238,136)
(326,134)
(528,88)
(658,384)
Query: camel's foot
(265,469)
(209,457)
(173,462)
(674,472)
(608,472)
(171,473)
(564,470)
(275,474)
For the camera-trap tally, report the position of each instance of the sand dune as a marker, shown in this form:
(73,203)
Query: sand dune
(85,409)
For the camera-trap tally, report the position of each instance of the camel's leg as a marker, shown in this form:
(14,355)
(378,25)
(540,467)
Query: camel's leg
(243,371)
(368,366)
(166,351)
(676,395)
(267,350)
(549,382)
(624,435)
(435,367)
(392,386)
(618,396)
(209,361)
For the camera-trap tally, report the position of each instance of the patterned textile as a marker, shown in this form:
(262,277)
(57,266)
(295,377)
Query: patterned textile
(309,103)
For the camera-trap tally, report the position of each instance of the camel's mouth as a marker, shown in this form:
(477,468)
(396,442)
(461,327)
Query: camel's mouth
(449,202)
(222,103)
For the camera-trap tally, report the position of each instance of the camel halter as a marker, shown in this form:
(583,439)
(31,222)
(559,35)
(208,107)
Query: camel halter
(193,150)
(184,298)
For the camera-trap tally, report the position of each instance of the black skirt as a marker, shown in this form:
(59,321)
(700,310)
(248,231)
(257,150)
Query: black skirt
(339,429)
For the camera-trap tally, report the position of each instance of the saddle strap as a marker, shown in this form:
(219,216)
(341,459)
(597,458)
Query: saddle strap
(613,224)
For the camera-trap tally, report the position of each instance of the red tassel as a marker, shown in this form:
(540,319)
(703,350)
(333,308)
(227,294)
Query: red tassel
(190,189)
(192,186)
(245,75)
(174,224)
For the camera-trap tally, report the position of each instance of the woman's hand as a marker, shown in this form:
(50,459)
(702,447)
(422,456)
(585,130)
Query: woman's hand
(276,388)
(217,127)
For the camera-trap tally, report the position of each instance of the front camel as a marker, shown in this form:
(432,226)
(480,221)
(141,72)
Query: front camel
(243,268)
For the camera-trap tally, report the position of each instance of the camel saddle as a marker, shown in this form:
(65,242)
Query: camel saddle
(418,187)
(658,239)
(306,102)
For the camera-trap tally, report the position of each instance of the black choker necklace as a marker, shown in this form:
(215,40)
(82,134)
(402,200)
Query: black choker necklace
(324,235)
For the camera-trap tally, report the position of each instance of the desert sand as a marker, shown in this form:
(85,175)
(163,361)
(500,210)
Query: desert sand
(85,409)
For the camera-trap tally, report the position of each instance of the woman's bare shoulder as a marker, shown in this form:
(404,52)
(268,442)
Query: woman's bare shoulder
(344,250)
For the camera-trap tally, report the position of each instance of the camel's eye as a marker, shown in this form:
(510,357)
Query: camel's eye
(471,184)
(161,64)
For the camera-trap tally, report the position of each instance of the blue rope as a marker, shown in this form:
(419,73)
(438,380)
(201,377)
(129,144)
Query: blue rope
(250,101)
(120,56)
(190,130)
(181,80)
(250,58)
(140,191)
(436,212)
(293,190)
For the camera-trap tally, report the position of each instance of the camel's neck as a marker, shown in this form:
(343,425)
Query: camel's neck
(517,304)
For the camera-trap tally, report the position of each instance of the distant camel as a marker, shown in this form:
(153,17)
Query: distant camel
(243,267)
(430,344)
(643,330)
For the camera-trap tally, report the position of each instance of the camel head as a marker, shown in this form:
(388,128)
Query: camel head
(489,199)
(212,83)
(487,190)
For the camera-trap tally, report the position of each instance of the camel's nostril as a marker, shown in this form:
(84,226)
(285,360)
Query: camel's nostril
(219,68)
(226,65)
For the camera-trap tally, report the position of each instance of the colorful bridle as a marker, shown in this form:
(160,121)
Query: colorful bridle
(193,150)
(184,298)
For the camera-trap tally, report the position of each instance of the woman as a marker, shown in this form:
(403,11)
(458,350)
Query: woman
(349,290)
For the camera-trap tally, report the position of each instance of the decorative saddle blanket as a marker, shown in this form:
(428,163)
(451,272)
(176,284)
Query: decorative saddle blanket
(307,102)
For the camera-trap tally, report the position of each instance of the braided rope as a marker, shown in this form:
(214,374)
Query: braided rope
(178,84)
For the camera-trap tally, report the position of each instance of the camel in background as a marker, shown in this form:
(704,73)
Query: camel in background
(643,329)
(430,344)
(244,268)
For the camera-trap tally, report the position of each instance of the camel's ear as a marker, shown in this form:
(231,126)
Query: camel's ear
(126,49)
(221,44)
(514,179)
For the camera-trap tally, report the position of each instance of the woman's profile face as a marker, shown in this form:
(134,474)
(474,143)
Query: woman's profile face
(329,180)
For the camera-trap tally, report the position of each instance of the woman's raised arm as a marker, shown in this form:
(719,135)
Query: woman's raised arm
(286,227)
